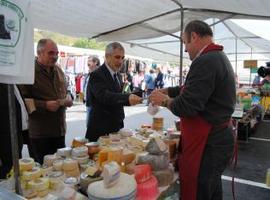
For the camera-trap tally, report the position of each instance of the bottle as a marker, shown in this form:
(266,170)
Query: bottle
(268,177)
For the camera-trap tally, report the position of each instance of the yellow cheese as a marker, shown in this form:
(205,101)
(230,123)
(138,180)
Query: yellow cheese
(102,156)
(70,164)
(26,164)
(32,174)
(127,156)
(115,155)
(39,184)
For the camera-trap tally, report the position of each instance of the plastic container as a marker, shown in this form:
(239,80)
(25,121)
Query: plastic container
(142,173)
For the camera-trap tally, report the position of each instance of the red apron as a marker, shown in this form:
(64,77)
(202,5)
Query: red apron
(194,134)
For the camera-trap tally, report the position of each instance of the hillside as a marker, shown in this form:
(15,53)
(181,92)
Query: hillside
(69,41)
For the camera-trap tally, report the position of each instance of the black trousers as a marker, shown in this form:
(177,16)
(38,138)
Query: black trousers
(44,146)
(216,157)
(6,154)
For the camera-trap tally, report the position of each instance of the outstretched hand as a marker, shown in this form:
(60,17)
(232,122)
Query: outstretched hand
(134,99)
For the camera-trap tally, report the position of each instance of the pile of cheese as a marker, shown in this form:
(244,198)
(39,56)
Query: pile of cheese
(157,156)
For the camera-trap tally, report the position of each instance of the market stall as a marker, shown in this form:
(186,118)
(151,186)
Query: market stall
(126,165)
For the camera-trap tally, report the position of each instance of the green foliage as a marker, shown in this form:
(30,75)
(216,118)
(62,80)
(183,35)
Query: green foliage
(89,43)
(69,41)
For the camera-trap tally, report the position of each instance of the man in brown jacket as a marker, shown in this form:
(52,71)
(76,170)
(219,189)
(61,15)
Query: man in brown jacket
(46,101)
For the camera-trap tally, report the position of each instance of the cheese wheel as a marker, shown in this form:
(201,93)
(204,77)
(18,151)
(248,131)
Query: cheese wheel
(56,179)
(46,170)
(142,173)
(29,193)
(49,159)
(32,174)
(64,152)
(82,159)
(79,151)
(125,188)
(72,173)
(57,165)
(42,193)
(70,164)
(39,184)
(26,164)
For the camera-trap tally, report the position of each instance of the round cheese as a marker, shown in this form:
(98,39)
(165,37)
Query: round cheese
(64,152)
(70,164)
(26,164)
(49,159)
(39,184)
(124,189)
(32,174)
(79,151)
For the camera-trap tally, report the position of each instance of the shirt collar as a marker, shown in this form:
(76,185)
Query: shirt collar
(110,70)
(199,53)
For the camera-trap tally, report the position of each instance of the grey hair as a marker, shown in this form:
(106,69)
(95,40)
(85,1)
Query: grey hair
(41,43)
(95,59)
(112,46)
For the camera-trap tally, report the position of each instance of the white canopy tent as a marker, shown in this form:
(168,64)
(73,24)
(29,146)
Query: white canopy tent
(151,28)
(136,19)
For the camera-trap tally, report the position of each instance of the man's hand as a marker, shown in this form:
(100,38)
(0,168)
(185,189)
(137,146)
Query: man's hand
(134,99)
(52,105)
(158,98)
(163,91)
(68,101)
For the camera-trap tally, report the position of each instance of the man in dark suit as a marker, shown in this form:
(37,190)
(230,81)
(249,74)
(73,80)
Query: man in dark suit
(108,101)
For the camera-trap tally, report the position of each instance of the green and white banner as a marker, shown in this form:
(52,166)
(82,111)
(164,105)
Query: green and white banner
(16,42)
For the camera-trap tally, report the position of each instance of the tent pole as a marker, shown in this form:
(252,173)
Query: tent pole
(181,47)
(14,138)
(236,55)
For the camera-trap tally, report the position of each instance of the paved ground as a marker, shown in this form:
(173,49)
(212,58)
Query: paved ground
(253,161)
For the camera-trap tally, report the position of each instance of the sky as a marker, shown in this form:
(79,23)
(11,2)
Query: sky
(258,27)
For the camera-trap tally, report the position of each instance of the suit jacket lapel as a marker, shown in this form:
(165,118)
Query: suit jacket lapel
(110,78)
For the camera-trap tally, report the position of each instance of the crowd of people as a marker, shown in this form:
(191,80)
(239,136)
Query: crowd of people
(204,103)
